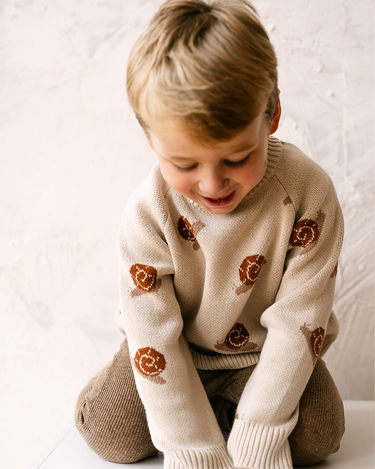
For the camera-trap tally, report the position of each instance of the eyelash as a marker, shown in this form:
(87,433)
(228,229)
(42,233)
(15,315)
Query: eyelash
(184,170)
(231,164)
(238,164)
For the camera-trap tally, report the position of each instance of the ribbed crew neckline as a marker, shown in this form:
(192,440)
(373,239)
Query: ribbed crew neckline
(274,153)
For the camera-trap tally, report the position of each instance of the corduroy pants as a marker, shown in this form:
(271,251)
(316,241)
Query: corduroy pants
(111,418)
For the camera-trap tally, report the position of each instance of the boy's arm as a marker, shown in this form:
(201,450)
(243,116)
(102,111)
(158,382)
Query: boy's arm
(181,421)
(296,325)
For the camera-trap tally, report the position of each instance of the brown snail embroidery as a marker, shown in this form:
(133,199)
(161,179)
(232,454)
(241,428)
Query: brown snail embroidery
(236,340)
(315,340)
(238,337)
(306,233)
(249,271)
(150,363)
(144,278)
(189,231)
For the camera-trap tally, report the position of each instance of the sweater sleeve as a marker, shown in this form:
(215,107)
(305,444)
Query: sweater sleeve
(180,418)
(296,325)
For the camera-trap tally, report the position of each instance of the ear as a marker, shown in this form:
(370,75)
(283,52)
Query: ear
(149,141)
(275,119)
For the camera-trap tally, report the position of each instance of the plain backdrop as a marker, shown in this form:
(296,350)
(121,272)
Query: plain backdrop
(71,153)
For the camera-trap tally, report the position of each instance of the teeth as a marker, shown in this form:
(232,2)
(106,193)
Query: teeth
(220,200)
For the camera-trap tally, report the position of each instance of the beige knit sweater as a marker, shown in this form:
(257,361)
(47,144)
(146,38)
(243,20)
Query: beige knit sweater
(208,291)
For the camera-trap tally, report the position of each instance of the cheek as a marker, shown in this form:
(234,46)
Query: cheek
(255,172)
(179,181)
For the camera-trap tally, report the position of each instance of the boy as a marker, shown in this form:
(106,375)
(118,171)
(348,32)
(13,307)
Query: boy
(228,255)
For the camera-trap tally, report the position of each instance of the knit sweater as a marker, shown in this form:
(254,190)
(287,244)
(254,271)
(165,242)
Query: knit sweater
(227,291)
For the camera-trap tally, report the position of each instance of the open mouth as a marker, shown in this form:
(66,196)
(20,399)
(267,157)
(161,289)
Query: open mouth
(221,202)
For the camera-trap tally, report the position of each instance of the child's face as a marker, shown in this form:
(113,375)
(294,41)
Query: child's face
(217,176)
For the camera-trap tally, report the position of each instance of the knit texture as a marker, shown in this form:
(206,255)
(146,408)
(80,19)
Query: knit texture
(111,418)
(206,291)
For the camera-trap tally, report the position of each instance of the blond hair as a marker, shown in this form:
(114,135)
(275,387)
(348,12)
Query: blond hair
(209,67)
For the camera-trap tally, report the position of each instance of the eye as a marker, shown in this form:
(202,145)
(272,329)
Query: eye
(237,164)
(185,170)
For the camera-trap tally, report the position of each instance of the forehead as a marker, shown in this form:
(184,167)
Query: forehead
(173,140)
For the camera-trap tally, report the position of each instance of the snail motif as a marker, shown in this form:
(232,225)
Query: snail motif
(144,276)
(250,269)
(185,229)
(305,232)
(237,337)
(316,341)
(236,340)
(189,231)
(149,362)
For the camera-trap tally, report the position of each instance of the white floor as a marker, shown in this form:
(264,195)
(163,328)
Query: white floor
(357,447)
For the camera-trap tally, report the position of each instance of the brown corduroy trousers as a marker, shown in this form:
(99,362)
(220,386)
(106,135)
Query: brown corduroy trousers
(112,420)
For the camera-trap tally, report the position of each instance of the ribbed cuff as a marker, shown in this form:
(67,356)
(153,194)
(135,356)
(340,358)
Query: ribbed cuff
(224,362)
(259,447)
(202,458)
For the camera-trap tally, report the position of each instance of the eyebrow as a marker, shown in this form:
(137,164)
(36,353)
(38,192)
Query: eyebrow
(180,158)
(239,150)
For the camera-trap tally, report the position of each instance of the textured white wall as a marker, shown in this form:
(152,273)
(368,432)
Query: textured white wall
(71,153)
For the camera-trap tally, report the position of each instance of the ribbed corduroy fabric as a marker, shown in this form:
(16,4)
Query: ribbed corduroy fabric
(217,292)
(321,421)
(110,416)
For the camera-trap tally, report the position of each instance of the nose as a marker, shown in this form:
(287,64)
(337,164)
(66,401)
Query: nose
(213,182)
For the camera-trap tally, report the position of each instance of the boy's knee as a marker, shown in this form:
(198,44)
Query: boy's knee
(114,441)
(110,443)
(321,423)
(309,451)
